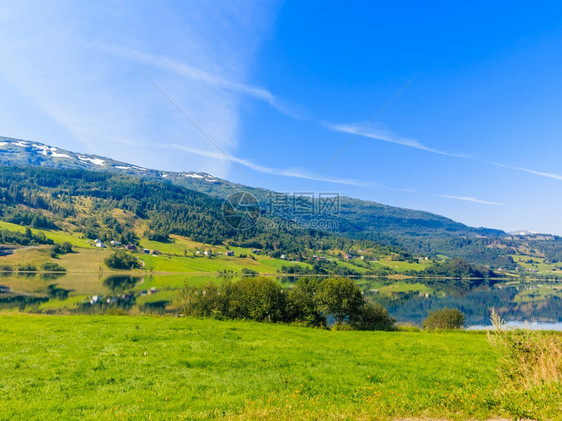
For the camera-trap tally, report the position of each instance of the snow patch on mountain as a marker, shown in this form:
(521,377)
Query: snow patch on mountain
(523,232)
(59,155)
(95,161)
(42,149)
(208,178)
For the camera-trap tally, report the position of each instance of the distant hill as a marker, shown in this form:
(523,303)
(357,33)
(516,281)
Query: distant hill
(420,233)
(522,232)
(358,217)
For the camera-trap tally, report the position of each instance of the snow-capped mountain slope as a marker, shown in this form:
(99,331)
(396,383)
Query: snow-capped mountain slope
(360,217)
(23,152)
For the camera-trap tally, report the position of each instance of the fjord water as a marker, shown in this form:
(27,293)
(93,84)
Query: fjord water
(533,304)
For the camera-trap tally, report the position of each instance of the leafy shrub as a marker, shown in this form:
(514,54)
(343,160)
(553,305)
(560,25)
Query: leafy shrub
(373,316)
(446,318)
(52,267)
(121,260)
(206,300)
(302,304)
(308,303)
(63,248)
(27,268)
(340,297)
(259,299)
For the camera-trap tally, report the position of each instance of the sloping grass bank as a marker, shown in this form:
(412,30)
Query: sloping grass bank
(103,367)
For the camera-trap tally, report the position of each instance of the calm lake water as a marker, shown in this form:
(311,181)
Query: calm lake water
(536,304)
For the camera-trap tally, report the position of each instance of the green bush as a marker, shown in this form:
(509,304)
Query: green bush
(63,248)
(308,303)
(341,298)
(206,300)
(446,318)
(27,268)
(259,299)
(302,304)
(373,316)
(121,260)
(52,267)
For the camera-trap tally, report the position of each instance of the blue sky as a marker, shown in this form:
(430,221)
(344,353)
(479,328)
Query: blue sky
(475,133)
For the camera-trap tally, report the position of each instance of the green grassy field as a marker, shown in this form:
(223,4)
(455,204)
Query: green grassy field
(90,259)
(103,367)
(56,236)
(537,263)
(200,264)
(177,255)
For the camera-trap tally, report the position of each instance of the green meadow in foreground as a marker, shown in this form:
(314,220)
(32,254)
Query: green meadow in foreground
(110,367)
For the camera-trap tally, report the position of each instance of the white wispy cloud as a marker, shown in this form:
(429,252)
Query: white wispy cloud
(527,170)
(379,133)
(76,92)
(471,199)
(287,172)
(194,73)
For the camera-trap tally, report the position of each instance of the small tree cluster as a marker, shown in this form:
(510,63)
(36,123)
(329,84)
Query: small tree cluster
(122,260)
(310,302)
(63,248)
(446,318)
(52,267)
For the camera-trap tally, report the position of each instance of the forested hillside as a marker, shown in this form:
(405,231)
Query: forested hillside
(353,216)
(84,191)
(107,206)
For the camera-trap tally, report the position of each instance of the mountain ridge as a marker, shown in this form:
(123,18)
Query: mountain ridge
(25,152)
(416,232)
